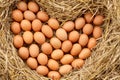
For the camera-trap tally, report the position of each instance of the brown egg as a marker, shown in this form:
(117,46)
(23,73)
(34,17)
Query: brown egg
(25,25)
(74,36)
(79,23)
(66,46)
(36,25)
(54,75)
(83,40)
(34,50)
(57,54)
(39,37)
(43,16)
(77,63)
(88,29)
(65,69)
(32,63)
(67,59)
(85,53)
(55,42)
(33,6)
(88,17)
(18,41)
(68,26)
(28,37)
(91,43)
(46,48)
(17,15)
(23,52)
(53,23)
(29,15)
(76,49)
(15,27)
(42,59)
(42,70)
(53,65)
(22,6)
(98,20)
(47,31)
(61,34)
(97,32)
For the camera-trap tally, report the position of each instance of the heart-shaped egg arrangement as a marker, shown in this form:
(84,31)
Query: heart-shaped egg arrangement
(46,47)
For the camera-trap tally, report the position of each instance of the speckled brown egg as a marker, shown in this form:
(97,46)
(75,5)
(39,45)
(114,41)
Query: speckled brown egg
(53,23)
(23,52)
(85,53)
(55,42)
(65,69)
(28,37)
(79,23)
(33,6)
(77,63)
(43,16)
(68,26)
(42,59)
(22,5)
(25,25)
(88,17)
(42,70)
(98,20)
(15,27)
(18,41)
(29,15)
(54,75)
(66,46)
(34,50)
(36,25)
(88,29)
(83,40)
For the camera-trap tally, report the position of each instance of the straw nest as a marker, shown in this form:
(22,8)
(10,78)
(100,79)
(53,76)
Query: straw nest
(104,64)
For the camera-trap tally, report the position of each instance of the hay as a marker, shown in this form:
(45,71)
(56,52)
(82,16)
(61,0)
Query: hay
(104,64)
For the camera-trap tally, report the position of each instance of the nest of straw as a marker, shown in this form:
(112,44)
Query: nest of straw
(104,64)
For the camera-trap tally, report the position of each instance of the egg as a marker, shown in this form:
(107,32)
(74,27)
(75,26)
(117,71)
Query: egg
(88,17)
(74,36)
(54,75)
(76,49)
(42,59)
(32,63)
(66,46)
(83,40)
(68,26)
(18,41)
(42,70)
(46,48)
(28,37)
(57,54)
(36,25)
(23,52)
(43,16)
(53,65)
(79,23)
(53,23)
(77,63)
(22,6)
(85,53)
(33,6)
(97,32)
(67,59)
(65,69)
(91,43)
(98,20)
(15,27)
(39,37)
(17,15)
(88,29)
(47,31)
(55,42)
(34,50)
(26,25)
(29,15)
(61,34)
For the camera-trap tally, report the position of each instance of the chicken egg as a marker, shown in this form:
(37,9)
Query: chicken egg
(42,70)
(55,42)
(29,15)
(88,29)
(36,25)
(42,59)
(85,53)
(91,43)
(15,28)
(53,23)
(22,6)
(28,37)
(25,25)
(65,69)
(79,23)
(33,6)
(68,26)
(66,46)
(77,63)
(54,75)
(88,17)
(18,41)
(97,32)
(34,50)
(43,16)
(98,20)
(23,52)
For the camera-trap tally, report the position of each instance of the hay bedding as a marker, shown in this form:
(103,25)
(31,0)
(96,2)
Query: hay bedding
(104,64)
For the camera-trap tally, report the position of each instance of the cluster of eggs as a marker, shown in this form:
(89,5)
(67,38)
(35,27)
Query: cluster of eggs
(48,48)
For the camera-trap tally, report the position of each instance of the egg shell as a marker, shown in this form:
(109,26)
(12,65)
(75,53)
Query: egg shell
(91,43)
(61,34)
(85,53)
(76,49)
(29,15)
(34,50)
(18,41)
(53,23)
(65,69)
(77,63)
(43,16)
(79,23)
(26,25)
(42,70)
(97,32)
(66,46)
(17,15)
(68,26)
(54,75)
(88,17)
(22,5)
(55,42)
(23,52)
(36,25)
(98,20)
(46,48)
(47,31)
(28,37)
(32,63)
(39,37)
(67,59)
(88,29)
(42,59)
(15,27)
(33,6)
(53,65)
